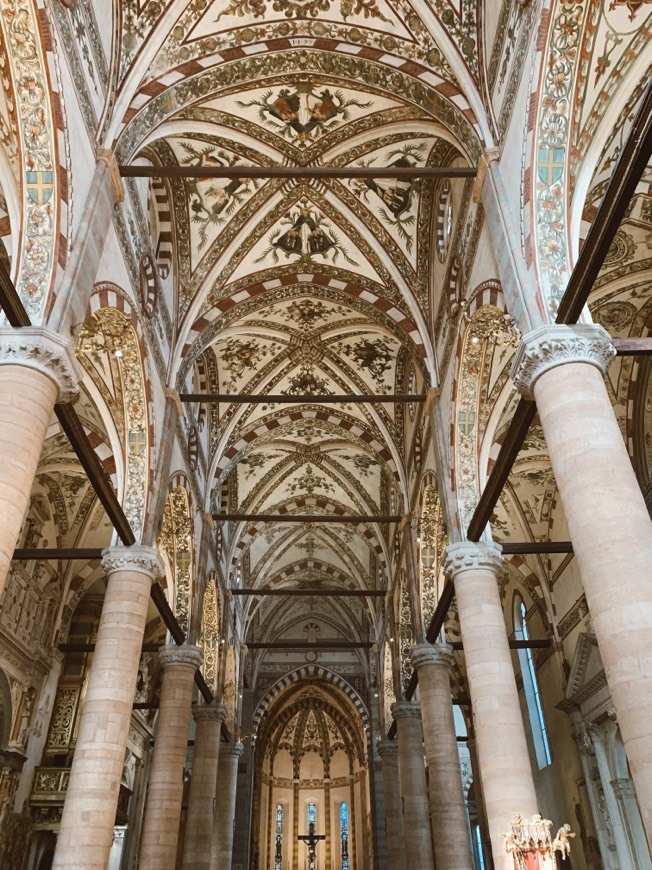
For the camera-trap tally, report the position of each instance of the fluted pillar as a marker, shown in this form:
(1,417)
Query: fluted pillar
(37,369)
(86,830)
(505,770)
(158,845)
(562,368)
(227,784)
(450,829)
(414,789)
(203,785)
(394,829)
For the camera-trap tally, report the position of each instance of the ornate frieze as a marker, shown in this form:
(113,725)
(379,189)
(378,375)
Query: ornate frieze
(144,560)
(472,556)
(431,654)
(551,346)
(45,351)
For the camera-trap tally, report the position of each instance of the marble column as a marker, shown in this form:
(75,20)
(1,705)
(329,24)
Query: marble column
(203,786)
(227,784)
(394,829)
(160,834)
(450,829)
(86,830)
(505,771)
(562,368)
(414,790)
(37,369)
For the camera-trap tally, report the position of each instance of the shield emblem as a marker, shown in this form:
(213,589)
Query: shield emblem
(40,185)
(466,422)
(551,165)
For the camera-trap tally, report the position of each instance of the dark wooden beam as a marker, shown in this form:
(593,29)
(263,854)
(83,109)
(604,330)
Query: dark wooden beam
(306,518)
(520,548)
(330,593)
(90,462)
(513,644)
(305,645)
(10,300)
(250,399)
(633,346)
(297,172)
(26,554)
(440,614)
(626,174)
(510,448)
(90,647)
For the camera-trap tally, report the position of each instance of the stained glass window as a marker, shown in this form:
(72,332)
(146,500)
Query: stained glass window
(278,853)
(344,834)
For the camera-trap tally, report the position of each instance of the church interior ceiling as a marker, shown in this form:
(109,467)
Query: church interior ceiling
(320,287)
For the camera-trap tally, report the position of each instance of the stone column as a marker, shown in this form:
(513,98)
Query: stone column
(394,829)
(450,829)
(158,844)
(414,791)
(203,786)
(562,368)
(505,770)
(37,369)
(222,849)
(86,830)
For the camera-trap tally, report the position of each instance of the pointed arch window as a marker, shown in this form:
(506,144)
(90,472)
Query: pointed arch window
(344,834)
(278,851)
(531,687)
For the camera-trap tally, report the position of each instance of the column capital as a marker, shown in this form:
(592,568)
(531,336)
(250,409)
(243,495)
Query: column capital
(212,712)
(106,156)
(423,654)
(387,748)
(43,350)
(186,656)
(144,560)
(558,344)
(232,749)
(405,710)
(470,556)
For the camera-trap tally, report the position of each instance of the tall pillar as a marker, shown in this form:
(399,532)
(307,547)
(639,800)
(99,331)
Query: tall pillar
(414,790)
(505,770)
(158,844)
(394,828)
(222,849)
(203,786)
(450,829)
(37,369)
(562,368)
(86,830)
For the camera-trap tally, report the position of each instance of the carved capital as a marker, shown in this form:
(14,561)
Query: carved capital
(45,351)
(106,156)
(387,748)
(144,560)
(405,710)
(185,656)
(212,712)
(234,750)
(470,556)
(558,344)
(423,654)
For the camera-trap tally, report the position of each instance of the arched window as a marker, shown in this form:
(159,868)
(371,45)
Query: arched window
(344,834)
(531,686)
(278,852)
(312,814)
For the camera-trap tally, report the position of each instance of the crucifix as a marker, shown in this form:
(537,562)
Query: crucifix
(311,839)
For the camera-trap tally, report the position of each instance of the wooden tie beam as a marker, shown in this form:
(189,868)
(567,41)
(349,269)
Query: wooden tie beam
(304,645)
(306,518)
(334,593)
(321,173)
(279,398)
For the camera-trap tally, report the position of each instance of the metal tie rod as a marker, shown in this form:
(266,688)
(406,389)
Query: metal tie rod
(249,399)
(298,172)
(305,518)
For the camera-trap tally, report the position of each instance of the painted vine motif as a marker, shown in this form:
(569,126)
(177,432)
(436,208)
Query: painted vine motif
(301,8)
